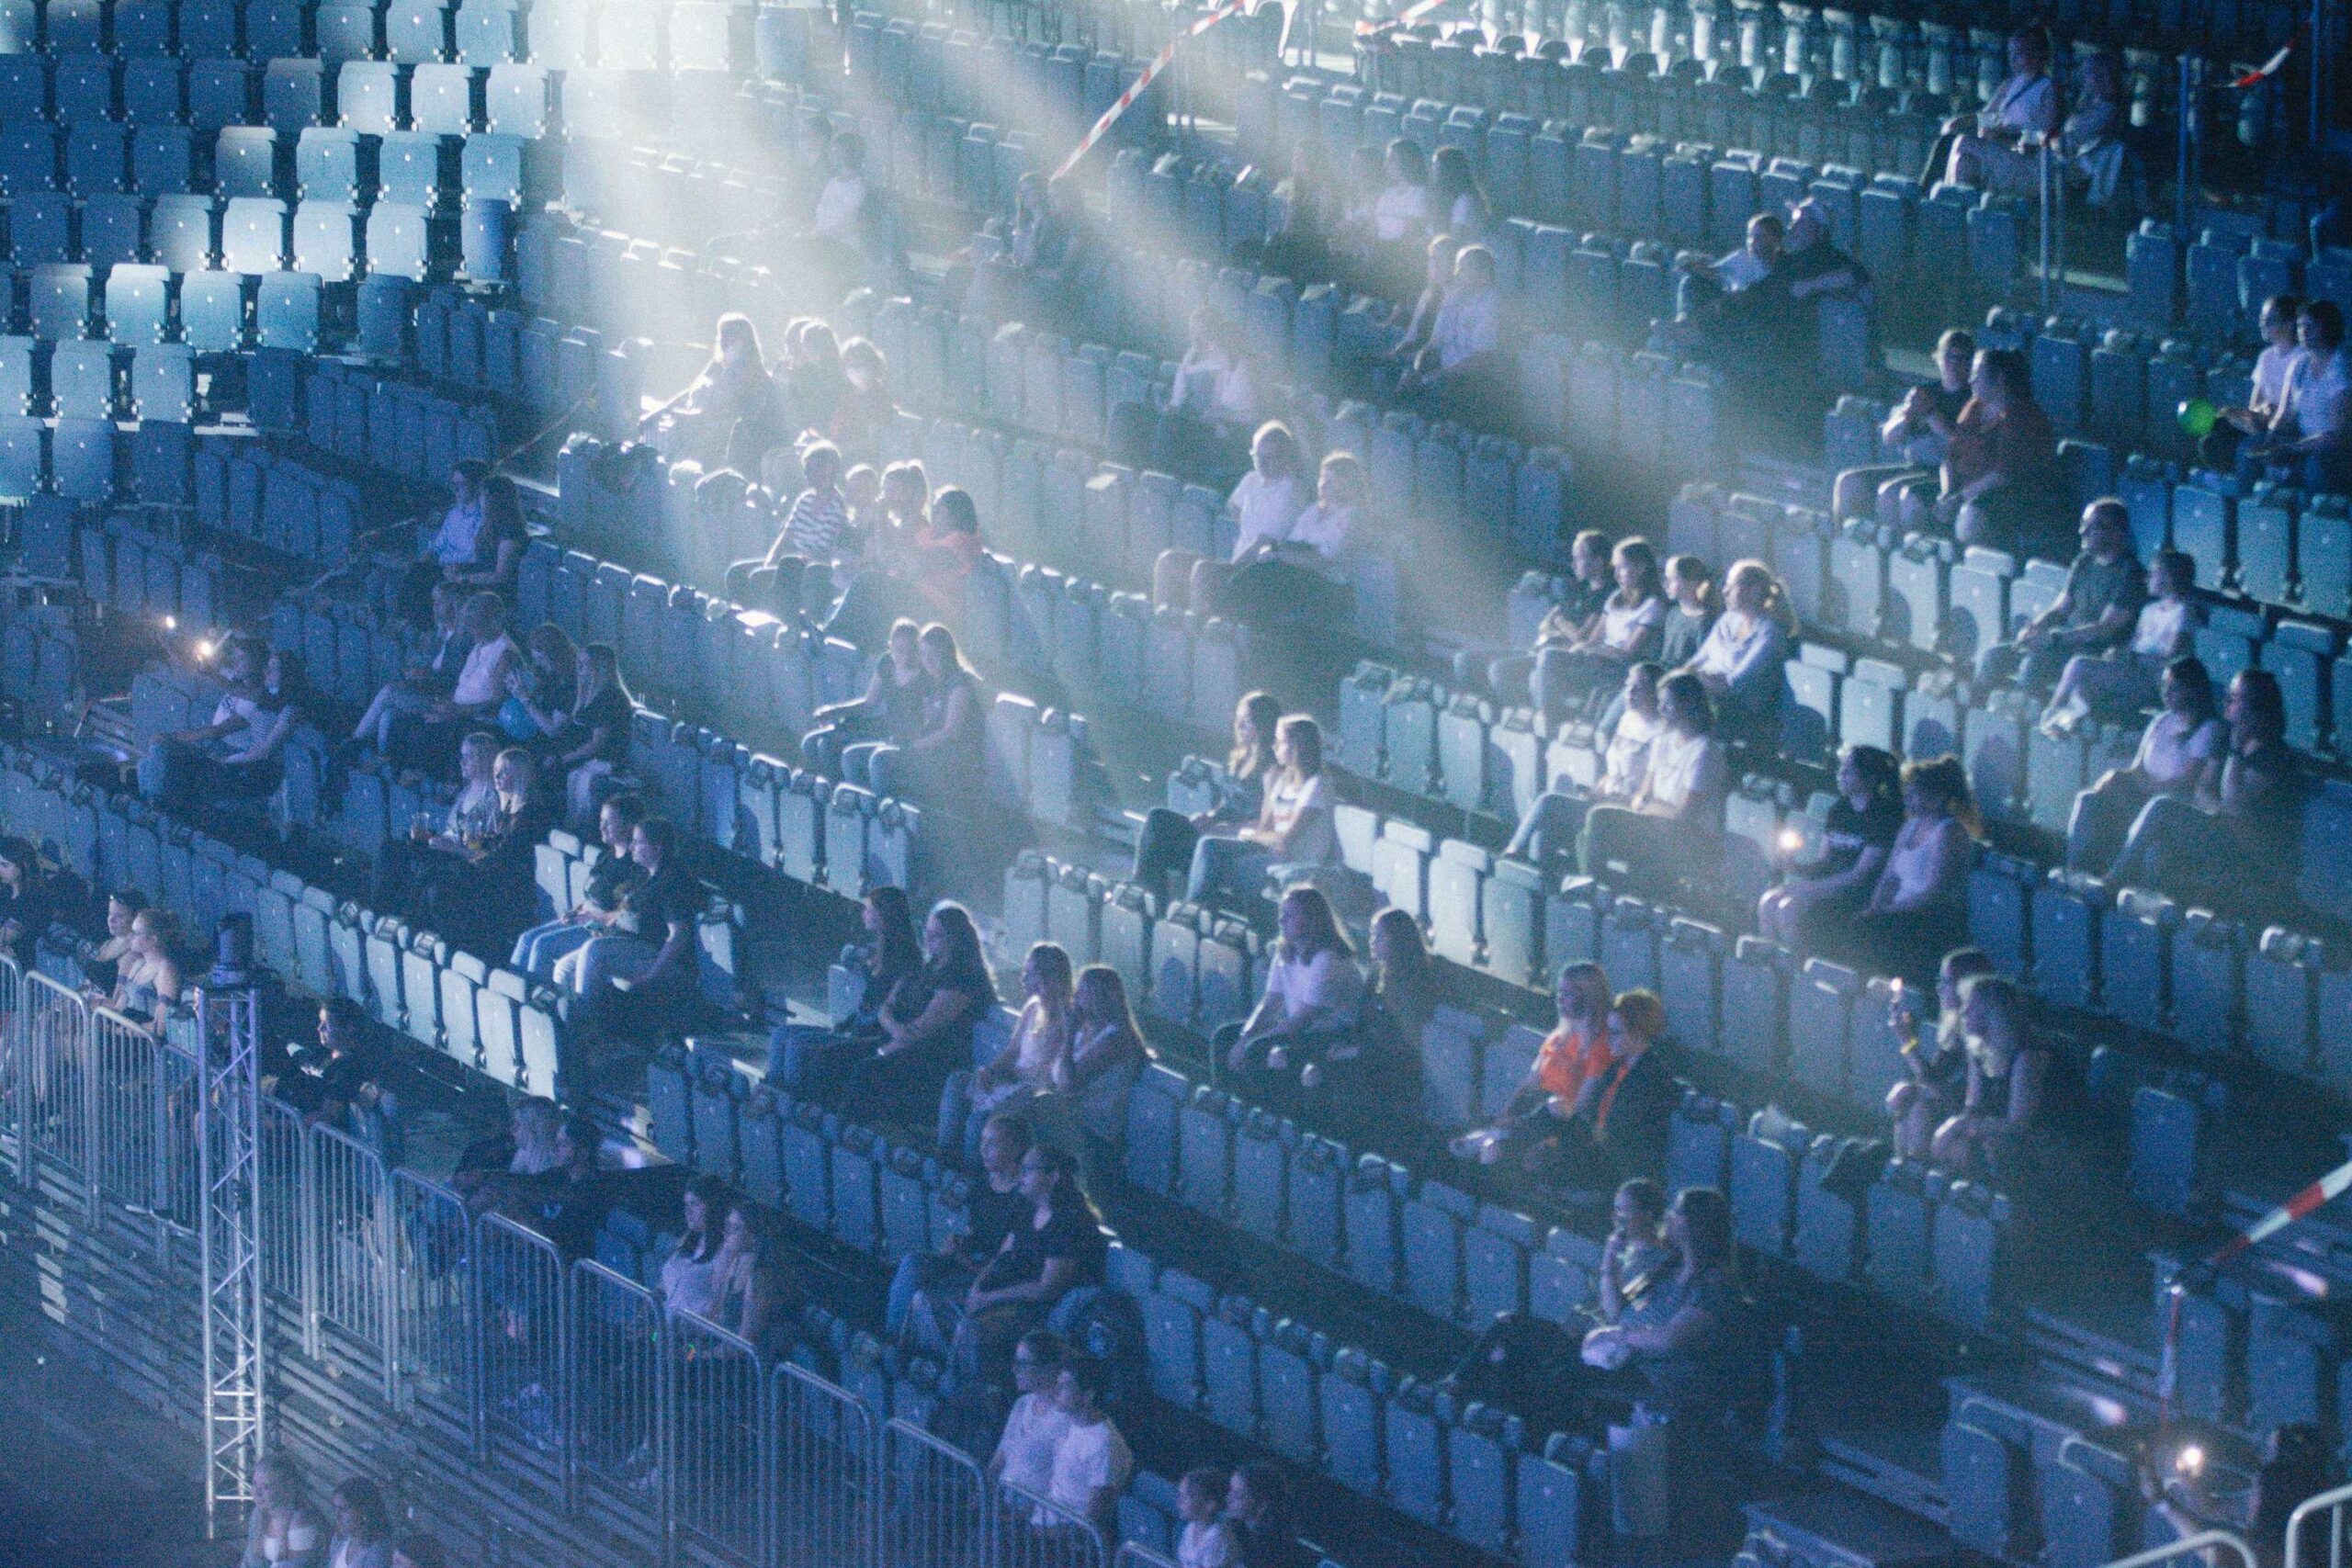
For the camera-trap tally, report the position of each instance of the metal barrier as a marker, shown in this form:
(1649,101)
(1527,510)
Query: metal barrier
(180,1175)
(519,1311)
(53,1039)
(827,1473)
(616,1386)
(431,1339)
(13,1082)
(2214,1546)
(936,1505)
(350,1219)
(126,1091)
(1135,1556)
(717,1459)
(2330,1505)
(288,1267)
(1030,1531)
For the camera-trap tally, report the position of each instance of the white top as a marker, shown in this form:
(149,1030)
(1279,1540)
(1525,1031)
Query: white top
(1087,1459)
(1301,811)
(1265,509)
(1917,856)
(1626,758)
(453,543)
(1468,324)
(2172,751)
(1398,211)
(251,720)
(689,1286)
(474,811)
(1623,626)
(1464,214)
(838,205)
(2019,104)
(1741,270)
(2316,395)
(1329,980)
(1686,774)
(2272,366)
(1042,1046)
(2163,628)
(477,682)
(1208,1544)
(1324,529)
(1200,377)
(1030,1434)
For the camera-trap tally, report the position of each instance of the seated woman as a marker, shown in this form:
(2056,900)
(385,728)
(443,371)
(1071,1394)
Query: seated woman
(694,1276)
(1626,631)
(1266,505)
(592,742)
(1401,217)
(1573,618)
(1373,1064)
(2092,141)
(285,1528)
(1294,827)
(337,1083)
(728,416)
(1935,1067)
(1314,994)
(2234,840)
(540,686)
(1529,1133)
(452,547)
(1918,909)
(2180,754)
(1164,845)
(102,958)
(239,755)
(650,944)
(147,981)
(1862,829)
(2001,486)
(2006,1073)
(1062,1247)
(947,552)
(1107,1056)
(363,1526)
(1617,1127)
(1213,399)
(1032,1059)
(428,678)
(486,887)
(1297,582)
(2267,391)
(808,1059)
(888,713)
(609,880)
(1740,662)
(1920,428)
(942,765)
(525,1156)
(496,563)
(1422,323)
(993,1205)
(1670,826)
(926,1023)
(25,908)
(402,865)
(429,739)
(2126,680)
(753,1289)
(1635,1259)
(1691,611)
(1552,822)
(863,414)
(1456,203)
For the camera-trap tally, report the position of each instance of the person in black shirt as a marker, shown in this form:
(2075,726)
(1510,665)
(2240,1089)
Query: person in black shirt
(934,1285)
(650,942)
(25,909)
(1920,428)
(335,1083)
(1258,1506)
(1617,1128)
(889,712)
(567,1204)
(1062,1246)
(926,1023)
(2234,840)
(594,740)
(614,873)
(1855,841)
(488,887)
(809,1059)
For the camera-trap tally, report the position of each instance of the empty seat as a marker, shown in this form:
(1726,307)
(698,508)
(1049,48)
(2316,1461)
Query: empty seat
(142,28)
(40,228)
(486,33)
(441,98)
(326,241)
(98,157)
(180,233)
(112,229)
(24,457)
(208,29)
(400,242)
(493,168)
(414,167)
(23,368)
(163,385)
(274,30)
(81,86)
(285,314)
(345,32)
(333,163)
(81,380)
(212,311)
(253,235)
(28,157)
(81,460)
(244,161)
(59,306)
(294,95)
(154,92)
(415,32)
(219,93)
(518,101)
(367,97)
(163,159)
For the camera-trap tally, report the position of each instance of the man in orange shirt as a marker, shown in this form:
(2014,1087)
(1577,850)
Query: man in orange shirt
(1531,1125)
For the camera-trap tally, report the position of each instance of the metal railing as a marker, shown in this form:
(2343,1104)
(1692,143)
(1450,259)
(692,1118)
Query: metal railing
(2329,1506)
(2212,1546)
(560,1374)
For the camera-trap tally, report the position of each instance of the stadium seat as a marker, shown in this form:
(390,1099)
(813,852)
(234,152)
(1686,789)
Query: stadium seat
(212,311)
(326,241)
(82,381)
(163,387)
(253,235)
(58,304)
(40,228)
(163,159)
(285,313)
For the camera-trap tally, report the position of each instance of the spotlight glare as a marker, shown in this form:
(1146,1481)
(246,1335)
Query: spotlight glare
(204,650)
(2191,1460)
(1792,840)
(171,623)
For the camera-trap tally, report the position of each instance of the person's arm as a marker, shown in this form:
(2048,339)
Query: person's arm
(501,570)
(1263,1017)
(1612,1283)
(1862,874)
(945,1010)
(1682,1330)
(1289,834)
(1058,1276)
(2024,1090)
(599,735)
(952,720)
(1952,847)
(681,937)
(1108,1049)
(2049,620)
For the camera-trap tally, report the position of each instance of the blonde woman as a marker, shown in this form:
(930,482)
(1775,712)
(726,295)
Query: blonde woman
(1030,1062)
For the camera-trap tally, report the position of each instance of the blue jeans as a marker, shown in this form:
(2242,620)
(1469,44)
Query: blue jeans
(1227,870)
(536,949)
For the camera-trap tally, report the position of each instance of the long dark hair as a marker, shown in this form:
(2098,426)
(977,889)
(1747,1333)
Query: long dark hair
(1706,1221)
(2262,704)
(1069,1187)
(897,951)
(366,1500)
(1265,715)
(1323,933)
(966,968)
(2196,683)
(715,1198)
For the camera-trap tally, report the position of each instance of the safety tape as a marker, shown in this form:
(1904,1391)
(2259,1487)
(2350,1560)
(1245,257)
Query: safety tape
(1127,99)
(2268,69)
(2302,1205)
(1413,13)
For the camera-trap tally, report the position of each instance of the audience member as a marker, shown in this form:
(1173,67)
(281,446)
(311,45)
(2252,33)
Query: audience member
(337,1084)
(1457,204)
(499,542)
(889,712)
(2181,754)
(1164,844)
(1215,396)
(362,1527)
(540,686)
(530,1148)
(1862,829)
(992,1206)
(942,765)
(2000,480)
(1811,269)
(650,944)
(2265,401)
(1617,1127)
(1999,151)
(1572,621)
(1207,1540)
(1918,909)
(1091,1463)
(1361,1074)
(864,413)
(813,531)
(808,1059)
(102,960)
(25,908)
(1935,1067)
(1459,375)
(1624,631)
(1266,505)
(567,1204)
(429,738)
(1740,663)
(2098,611)
(592,742)
(147,980)
(1107,1056)
(1669,827)
(1401,214)
(404,866)
(1062,1246)
(1635,1259)
(947,552)
(1420,322)
(1920,428)
(1704,287)
(2127,677)
(1314,995)
(2234,840)
(1691,585)
(1293,829)
(1024,1458)
(487,886)
(1257,1505)
(694,1275)
(926,1021)
(727,414)
(237,756)
(453,546)
(1299,579)
(1535,1119)
(427,679)
(609,879)
(2310,441)
(2093,143)
(2007,1071)
(284,1528)
(1034,1058)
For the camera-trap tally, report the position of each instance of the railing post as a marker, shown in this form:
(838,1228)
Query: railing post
(2330,1503)
(477,1345)
(307,1229)
(2192,1546)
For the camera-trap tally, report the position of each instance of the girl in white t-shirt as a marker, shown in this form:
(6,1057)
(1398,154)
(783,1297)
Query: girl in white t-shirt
(2124,680)
(2180,754)
(1293,826)
(1314,991)
(1207,1541)
(1032,1063)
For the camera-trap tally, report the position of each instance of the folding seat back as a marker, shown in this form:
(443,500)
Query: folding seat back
(23,368)
(98,157)
(416,32)
(253,235)
(59,301)
(369,97)
(113,231)
(82,381)
(287,312)
(1494,1264)
(83,459)
(1154,1113)
(1172,1315)
(326,240)
(294,95)
(1229,1367)
(401,242)
(220,94)
(1369,1215)
(1764,1166)
(41,227)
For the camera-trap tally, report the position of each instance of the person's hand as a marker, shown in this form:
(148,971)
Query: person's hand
(1948,507)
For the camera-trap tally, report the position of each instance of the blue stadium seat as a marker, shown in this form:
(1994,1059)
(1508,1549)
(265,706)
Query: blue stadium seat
(212,311)
(246,162)
(294,95)
(403,242)
(416,32)
(518,100)
(29,156)
(40,228)
(1765,1160)
(487,32)
(24,465)
(1369,1214)
(98,157)
(253,235)
(113,231)
(285,314)
(58,304)
(370,96)
(346,32)
(326,240)
(82,381)
(220,94)
(163,388)
(82,456)
(24,376)
(163,159)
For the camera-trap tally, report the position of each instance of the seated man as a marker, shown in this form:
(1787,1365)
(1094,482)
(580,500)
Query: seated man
(2105,588)
(2001,150)
(1701,292)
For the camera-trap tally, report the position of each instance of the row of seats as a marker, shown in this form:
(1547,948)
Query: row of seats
(81,93)
(97,380)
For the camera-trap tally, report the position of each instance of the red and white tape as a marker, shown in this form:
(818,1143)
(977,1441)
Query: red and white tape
(1127,99)
(1412,14)
(2268,69)
(2302,1205)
